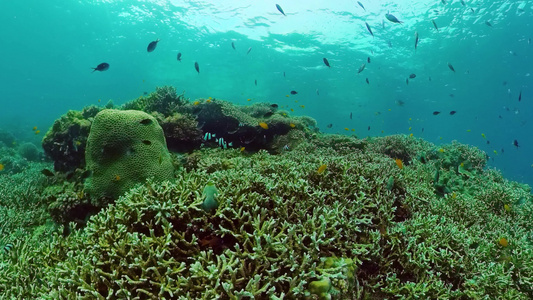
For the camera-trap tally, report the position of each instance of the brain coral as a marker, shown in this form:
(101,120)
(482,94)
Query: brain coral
(125,148)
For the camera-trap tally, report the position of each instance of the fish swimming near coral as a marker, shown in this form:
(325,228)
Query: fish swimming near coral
(321,169)
(280,9)
(209,194)
(152,45)
(263,125)
(399,163)
(101,67)
(47,173)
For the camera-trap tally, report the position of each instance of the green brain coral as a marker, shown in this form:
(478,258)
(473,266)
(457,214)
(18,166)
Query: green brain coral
(125,148)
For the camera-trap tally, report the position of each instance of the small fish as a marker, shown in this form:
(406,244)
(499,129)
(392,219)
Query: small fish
(101,67)
(515,143)
(451,67)
(412,76)
(255,82)
(399,163)
(368,82)
(436,113)
(321,169)
(283,73)
(329,125)
(326,62)
(292,125)
(233,45)
(2,167)
(263,125)
(280,9)
(34,128)
(361,68)
(453,112)
(520,96)
(368,128)
(488,23)
(361,4)
(407,81)
(483,136)
(392,18)
(117,178)
(47,173)
(294,92)
(179,56)
(197,67)
(368,59)
(249,49)
(369,29)
(435,25)
(37,131)
(507,207)
(317,93)
(152,45)
(8,247)
(503,242)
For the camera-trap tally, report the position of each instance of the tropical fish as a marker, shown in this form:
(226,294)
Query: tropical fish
(292,125)
(435,24)
(101,67)
(37,131)
(392,18)
(515,143)
(416,40)
(520,96)
(280,9)
(369,29)
(34,128)
(361,4)
(453,112)
(209,194)
(2,167)
(368,59)
(179,56)
(321,169)
(412,76)
(507,207)
(436,113)
(399,163)
(503,242)
(294,92)
(249,49)
(361,68)
(488,23)
(197,67)
(152,45)
(326,62)
(451,67)
(233,45)
(368,82)
(263,125)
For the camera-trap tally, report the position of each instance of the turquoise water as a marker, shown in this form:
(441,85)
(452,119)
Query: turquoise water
(49,47)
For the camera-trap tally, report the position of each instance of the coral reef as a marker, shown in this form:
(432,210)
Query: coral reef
(281,229)
(124,148)
(29,151)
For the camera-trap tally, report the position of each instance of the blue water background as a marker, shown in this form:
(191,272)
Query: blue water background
(49,47)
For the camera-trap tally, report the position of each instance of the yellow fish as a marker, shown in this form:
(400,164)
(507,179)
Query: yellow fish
(483,135)
(99,100)
(321,169)
(208,100)
(503,241)
(263,125)
(411,135)
(495,152)
(37,131)
(441,150)
(468,130)
(353,130)
(284,114)
(34,128)
(1,167)
(242,149)
(117,178)
(507,207)
(302,106)
(196,103)
(410,128)
(249,99)
(346,128)
(292,109)
(287,96)
(292,125)
(454,195)
(399,163)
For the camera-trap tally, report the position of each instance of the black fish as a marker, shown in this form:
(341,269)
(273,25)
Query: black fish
(436,113)
(368,128)
(294,92)
(361,4)
(330,125)
(368,82)
(179,57)
(453,112)
(274,105)
(488,23)
(515,143)
(435,24)
(101,67)
(249,49)
(152,45)
(233,45)
(326,62)
(197,67)
(451,67)
(47,172)
(280,9)
(407,81)
(283,73)
(368,59)
(255,82)
(146,121)
(412,76)
(488,142)
(350,115)
(369,30)
(520,96)
(416,40)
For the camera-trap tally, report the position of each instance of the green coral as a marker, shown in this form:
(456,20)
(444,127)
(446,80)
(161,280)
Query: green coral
(125,148)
